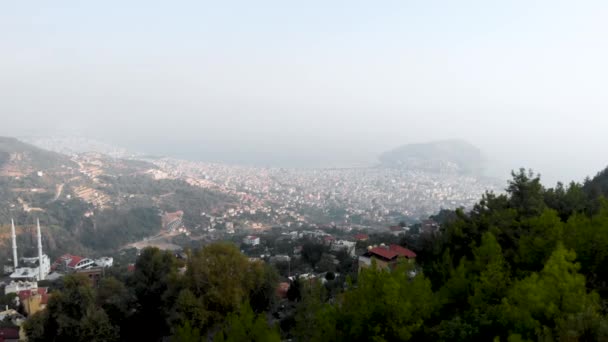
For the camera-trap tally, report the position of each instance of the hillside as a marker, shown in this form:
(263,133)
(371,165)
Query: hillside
(20,159)
(92,202)
(439,156)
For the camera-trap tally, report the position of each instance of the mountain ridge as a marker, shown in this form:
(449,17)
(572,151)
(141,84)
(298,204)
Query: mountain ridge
(19,159)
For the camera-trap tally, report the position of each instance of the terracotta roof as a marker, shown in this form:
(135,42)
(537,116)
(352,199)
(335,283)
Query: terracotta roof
(392,252)
(60,261)
(402,251)
(75,260)
(361,236)
(72,260)
(383,252)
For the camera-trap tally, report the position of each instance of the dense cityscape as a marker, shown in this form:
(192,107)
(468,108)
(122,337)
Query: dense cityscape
(357,196)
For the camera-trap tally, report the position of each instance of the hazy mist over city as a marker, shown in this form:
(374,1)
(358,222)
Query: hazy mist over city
(309,171)
(313,84)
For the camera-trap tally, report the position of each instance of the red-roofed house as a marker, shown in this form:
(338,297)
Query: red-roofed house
(397,230)
(328,240)
(402,251)
(9,335)
(34,300)
(361,237)
(68,262)
(385,256)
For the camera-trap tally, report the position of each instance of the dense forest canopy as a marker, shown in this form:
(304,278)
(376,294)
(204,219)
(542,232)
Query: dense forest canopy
(527,265)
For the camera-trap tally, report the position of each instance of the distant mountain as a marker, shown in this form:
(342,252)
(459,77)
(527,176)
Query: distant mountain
(438,156)
(20,159)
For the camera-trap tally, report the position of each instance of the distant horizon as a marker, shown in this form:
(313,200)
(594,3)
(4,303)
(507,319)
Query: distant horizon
(225,155)
(326,83)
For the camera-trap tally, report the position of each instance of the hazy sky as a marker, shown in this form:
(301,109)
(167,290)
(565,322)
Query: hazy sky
(526,81)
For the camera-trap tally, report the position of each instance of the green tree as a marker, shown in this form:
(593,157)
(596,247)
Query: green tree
(540,240)
(315,319)
(244,325)
(72,315)
(116,300)
(588,237)
(538,303)
(457,289)
(312,252)
(218,280)
(526,193)
(36,327)
(493,281)
(187,333)
(385,306)
(95,326)
(567,201)
(153,281)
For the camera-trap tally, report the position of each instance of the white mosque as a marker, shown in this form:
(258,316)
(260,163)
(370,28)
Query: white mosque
(33,269)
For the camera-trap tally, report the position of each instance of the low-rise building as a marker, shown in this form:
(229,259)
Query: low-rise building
(397,230)
(385,256)
(251,240)
(94,274)
(328,240)
(104,262)
(11,315)
(9,335)
(279,259)
(68,262)
(343,245)
(34,268)
(34,301)
(18,286)
(361,237)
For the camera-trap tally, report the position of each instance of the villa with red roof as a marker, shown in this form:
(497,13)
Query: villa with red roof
(68,262)
(385,256)
(361,237)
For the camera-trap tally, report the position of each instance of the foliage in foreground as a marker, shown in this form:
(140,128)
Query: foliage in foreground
(524,266)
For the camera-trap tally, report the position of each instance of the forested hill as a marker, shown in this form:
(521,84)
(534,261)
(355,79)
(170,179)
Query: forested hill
(527,265)
(90,203)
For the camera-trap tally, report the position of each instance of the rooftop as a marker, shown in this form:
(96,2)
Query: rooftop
(42,291)
(391,252)
(361,236)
